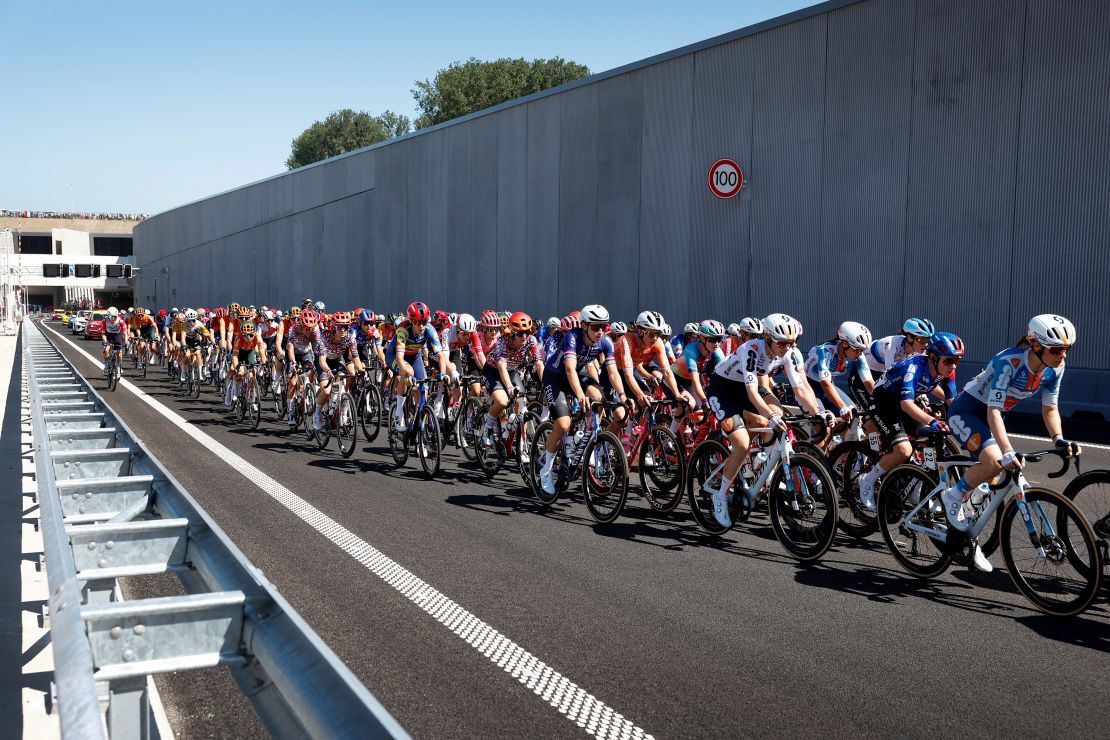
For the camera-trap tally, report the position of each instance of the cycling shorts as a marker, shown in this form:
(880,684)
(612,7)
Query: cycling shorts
(248,357)
(894,423)
(491,379)
(730,398)
(967,420)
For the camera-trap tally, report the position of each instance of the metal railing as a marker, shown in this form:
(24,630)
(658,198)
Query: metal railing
(110,510)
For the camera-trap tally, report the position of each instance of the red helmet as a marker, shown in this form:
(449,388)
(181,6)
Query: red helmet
(570,321)
(520,321)
(163,313)
(441,317)
(309,318)
(418,311)
(490,320)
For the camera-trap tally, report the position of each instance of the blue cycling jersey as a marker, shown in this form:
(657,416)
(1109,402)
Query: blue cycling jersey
(824,363)
(1007,380)
(574,343)
(913,377)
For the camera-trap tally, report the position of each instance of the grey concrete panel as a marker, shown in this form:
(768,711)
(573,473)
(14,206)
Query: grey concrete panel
(1061,217)
(959,229)
(788,123)
(665,189)
(543,203)
(579,280)
(360,171)
(482,271)
(391,229)
(617,254)
(308,188)
(514,285)
(420,172)
(336,177)
(868,104)
(452,278)
(719,243)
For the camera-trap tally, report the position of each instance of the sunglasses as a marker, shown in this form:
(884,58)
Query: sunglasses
(712,340)
(953,361)
(595,327)
(520,334)
(785,344)
(1057,350)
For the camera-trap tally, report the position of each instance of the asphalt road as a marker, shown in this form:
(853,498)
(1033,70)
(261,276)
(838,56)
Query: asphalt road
(683,635)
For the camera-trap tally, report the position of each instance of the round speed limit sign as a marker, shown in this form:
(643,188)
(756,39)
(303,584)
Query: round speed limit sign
(725,178)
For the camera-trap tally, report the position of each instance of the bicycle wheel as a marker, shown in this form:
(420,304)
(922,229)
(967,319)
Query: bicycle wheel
(194,375)
(902,489)
(346,425)
(536,452)
(662,469)
(803,509)
(279,392)
(327,414)
(849,461)
(1090,492)
(469,426)
(110,380)
(706,458)
(254,403)
(308,404)
(399,439)
(491,458)
(142,370)
(604,477)
(370,412)
(428,443)
(1064,581)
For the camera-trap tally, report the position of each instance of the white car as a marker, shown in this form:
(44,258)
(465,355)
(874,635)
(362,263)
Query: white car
(79,324)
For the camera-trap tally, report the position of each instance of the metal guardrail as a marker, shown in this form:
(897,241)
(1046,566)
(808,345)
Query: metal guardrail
(110,510)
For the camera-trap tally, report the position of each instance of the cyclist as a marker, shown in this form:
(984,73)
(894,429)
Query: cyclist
(300,351)
(338,352)
(464,349)
(501,373)
(840,356)
(368,339)
(189,334)
(146,329)
(741,395)
(405,356)
(698,356)
(115,333)
(977,416)
(564,374)
(248,349)
(549,328)
(689,334)
(641,347)
(886,352)
(896,409)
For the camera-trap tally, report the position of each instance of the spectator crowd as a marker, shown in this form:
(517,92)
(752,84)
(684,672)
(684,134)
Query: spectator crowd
(79,215)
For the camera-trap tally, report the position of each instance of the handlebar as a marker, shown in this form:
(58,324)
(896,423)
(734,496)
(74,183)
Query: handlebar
(1066,456)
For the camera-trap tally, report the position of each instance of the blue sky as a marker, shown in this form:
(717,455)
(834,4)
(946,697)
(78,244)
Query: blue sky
(142,106)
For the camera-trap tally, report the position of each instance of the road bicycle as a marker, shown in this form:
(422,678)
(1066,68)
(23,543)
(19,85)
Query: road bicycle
(801,495)
(248,403)
(420,430)
(1090,492)
(368,403)
(510,436)
(657,454)
(588,452)
(339,416)
(112,368)
(1051,552)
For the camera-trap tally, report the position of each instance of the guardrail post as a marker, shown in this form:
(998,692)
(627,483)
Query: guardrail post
(129,709)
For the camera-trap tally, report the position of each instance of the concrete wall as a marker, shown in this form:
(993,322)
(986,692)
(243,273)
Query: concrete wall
(944,158)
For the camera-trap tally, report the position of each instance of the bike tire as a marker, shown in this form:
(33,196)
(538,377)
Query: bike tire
(703,460)
(490,459)
(536,453)
(848,461)
(429,443)
(661,478)
(918,553)
(468,426)
(346,425)
(523,446)
(805,527)
(398,443)
(1077,550)
(605,477)
(323,434)
(1090,492)
(370,413)
(254,403)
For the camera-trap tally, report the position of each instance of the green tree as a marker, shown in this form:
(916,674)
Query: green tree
(465,87)
(344,131)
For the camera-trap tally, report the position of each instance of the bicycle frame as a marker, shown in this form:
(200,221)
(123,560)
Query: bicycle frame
(779,452)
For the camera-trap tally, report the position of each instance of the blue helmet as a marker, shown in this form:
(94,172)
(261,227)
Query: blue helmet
(919,328)
(946,344)
(366,316)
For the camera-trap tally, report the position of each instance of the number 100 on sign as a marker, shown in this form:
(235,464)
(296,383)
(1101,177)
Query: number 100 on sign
(725,178)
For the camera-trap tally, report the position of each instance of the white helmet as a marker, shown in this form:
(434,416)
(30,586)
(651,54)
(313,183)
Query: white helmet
(651,320)
(595,314)
(131,310)
(690,328)
(190,314)
(453,318)
(855,334)
(782,328)
(1050,330)
(618,328)
(268,315)
(733,330)
(667,330)
(553,323)
(113,312)
(466,322)
(751,326)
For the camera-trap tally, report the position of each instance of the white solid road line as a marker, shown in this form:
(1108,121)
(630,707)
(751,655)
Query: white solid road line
(571,700)
(1046,440)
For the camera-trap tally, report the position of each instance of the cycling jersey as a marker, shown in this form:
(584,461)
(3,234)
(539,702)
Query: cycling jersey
(886,352)
(363,337)
(913,377)
(693,361)
(195,329)
(1007,381)
(574,343)
(413,341)
(529,351)
(452,339)
(242,343)
(753,359)
(334,345)
(729,345)
(178,327)
(114,326)
(632,351)
(551,344)
(825,363)
(268,330)
(305,341)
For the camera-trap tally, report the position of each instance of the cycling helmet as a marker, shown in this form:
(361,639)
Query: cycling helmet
(233,308)
(570,321)
(280,315)
(453,318)
(750,325)
(418,311)
(733,330)
(113,312)
(711,329)
(163,313)
(651,321)
(520,321)
(252,309)
(179,316)
(690,328)
(1050,330)
(667,331)
(441,317)
(309,317)
(366,317)
(490,320)
(319,306)
(595,314)
(503,320)
(619,328)
(341,318)
(396,319)
(466,323)
(294,312)
(130,310)
(946,344)
(175,310)
(306,303)
(268,315)
(248,328)
(855,334)
(190,314)
(919,328)
(553,323)
(782,327)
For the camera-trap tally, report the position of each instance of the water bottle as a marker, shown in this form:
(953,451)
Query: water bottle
(576,445)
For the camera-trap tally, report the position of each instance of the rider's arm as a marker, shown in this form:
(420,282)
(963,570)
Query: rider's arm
(1052,423)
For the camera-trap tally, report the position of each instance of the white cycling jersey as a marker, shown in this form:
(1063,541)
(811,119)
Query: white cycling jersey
(886,352)
(752,359)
